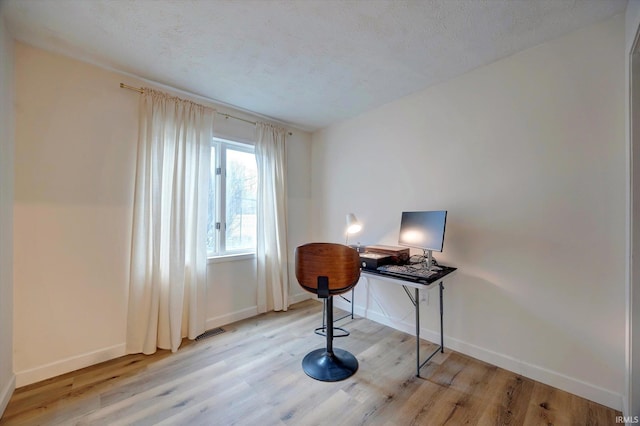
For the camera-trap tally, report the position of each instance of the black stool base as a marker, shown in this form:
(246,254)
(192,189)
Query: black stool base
(329,367)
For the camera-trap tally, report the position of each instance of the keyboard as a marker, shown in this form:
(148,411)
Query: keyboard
(408,270)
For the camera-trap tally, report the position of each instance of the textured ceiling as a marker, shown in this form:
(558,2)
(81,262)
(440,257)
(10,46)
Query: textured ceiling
(304,62)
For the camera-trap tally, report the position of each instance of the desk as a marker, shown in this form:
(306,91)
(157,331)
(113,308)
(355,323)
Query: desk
(417,284)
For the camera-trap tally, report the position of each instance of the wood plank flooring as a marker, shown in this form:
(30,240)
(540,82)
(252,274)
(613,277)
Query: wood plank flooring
(251,375)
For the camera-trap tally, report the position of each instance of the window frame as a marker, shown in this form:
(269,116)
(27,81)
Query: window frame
(220,203)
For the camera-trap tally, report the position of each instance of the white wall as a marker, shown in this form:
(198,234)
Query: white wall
(632,395)
(7,378)
(76,135)
(528,156)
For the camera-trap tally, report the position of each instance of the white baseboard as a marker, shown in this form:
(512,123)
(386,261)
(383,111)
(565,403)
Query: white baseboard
(543,375)
(5,394)
(552,378)
(245,313)
(33,375)
(231,317)
(26,377)
(296,298)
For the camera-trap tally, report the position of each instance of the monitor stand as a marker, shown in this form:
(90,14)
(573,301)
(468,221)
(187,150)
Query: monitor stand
(428,256)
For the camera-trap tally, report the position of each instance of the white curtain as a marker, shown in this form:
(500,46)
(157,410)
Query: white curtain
(168,258)
(273,275)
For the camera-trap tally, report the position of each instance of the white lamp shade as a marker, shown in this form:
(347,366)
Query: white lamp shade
(353,225)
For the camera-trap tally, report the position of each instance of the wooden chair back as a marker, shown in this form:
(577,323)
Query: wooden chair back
(339,263)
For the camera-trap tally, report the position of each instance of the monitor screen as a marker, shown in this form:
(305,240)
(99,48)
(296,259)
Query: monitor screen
(423,230)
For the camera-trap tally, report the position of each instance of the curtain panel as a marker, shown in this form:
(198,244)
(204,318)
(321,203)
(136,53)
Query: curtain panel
(167,292)
(272,252)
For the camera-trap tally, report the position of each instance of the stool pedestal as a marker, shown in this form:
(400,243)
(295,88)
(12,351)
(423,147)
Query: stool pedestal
(329,364)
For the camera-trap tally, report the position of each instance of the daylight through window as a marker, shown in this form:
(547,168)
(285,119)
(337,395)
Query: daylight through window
(233,181)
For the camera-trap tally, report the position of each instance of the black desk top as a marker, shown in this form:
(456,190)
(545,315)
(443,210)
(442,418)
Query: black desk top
(444,271)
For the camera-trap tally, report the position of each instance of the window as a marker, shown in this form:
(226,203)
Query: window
(233,181)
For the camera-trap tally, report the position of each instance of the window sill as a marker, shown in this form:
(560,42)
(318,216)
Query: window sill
(230,257)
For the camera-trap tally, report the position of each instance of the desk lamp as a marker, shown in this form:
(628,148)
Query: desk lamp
(353,227)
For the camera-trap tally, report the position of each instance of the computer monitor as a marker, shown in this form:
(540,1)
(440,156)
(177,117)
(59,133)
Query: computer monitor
(423,230)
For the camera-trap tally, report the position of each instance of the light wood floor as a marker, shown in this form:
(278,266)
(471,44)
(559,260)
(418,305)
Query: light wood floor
(251,375)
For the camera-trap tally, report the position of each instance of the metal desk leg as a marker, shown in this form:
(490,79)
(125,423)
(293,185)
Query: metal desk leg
(441,319)
(417,305)
(416,302)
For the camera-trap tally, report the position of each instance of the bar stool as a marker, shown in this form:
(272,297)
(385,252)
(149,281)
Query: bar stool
(328,269)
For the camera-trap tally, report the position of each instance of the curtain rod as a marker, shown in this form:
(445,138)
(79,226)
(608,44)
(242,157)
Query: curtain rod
(225,115)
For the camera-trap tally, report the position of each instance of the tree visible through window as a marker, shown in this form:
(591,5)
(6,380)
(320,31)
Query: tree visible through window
(232,199)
